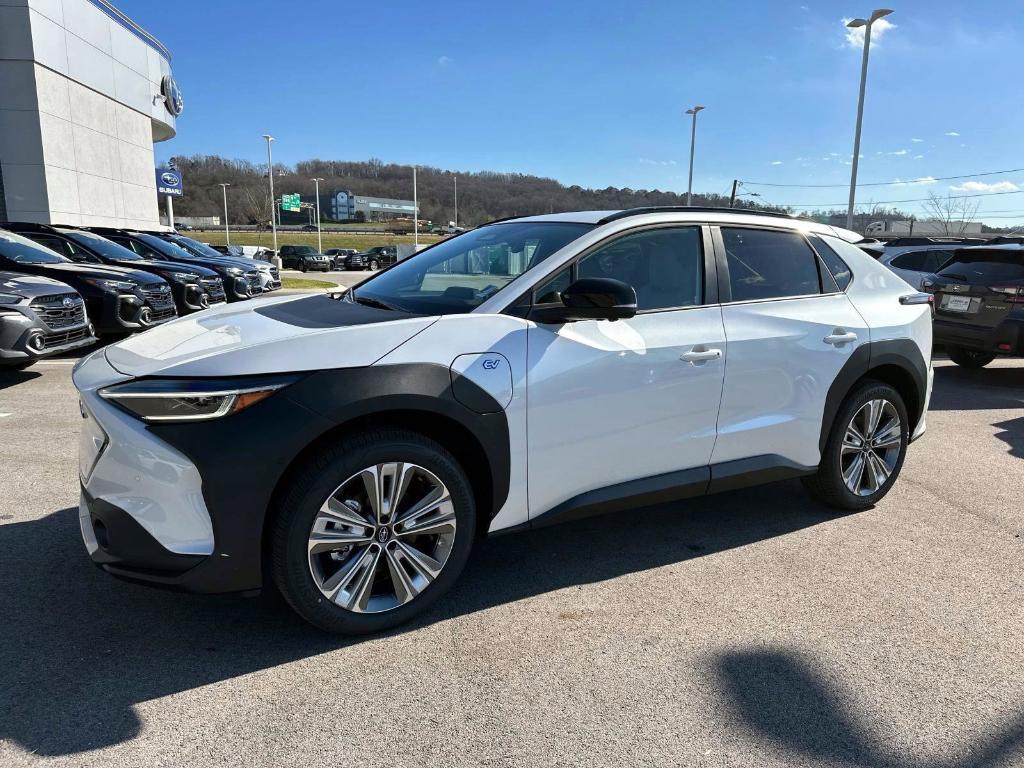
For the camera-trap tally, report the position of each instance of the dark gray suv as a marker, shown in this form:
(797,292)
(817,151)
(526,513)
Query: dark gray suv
(39,317)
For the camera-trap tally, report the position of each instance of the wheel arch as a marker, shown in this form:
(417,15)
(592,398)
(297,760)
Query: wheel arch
(896,362)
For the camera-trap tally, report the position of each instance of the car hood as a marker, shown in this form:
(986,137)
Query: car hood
(271,335)
(31,286)
(152,265)
(100,271)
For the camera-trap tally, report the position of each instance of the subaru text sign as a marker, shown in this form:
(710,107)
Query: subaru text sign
(168,182)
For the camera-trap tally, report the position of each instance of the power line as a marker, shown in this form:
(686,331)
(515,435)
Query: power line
(926,179)
(887,202)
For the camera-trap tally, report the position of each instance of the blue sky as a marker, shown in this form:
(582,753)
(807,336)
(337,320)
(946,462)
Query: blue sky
(593,93)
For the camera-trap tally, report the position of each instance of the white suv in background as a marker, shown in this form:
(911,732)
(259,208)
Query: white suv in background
(526,372)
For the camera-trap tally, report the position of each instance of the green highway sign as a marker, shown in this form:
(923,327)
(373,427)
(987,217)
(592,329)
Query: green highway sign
(291,203)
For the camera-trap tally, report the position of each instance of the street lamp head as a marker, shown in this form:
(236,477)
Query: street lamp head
(268,137)
(694,110)
(879,13)
(224,184)
(854,23)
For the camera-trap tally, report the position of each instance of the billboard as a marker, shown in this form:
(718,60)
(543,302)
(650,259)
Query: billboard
(168,182)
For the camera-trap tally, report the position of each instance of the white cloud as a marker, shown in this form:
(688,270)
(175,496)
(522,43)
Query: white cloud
(444,61)
(910,182)
(918,157)
(648,161)
(776,162)
(952,133)
(898,152)
(983,186)
(855,36)
(917,141)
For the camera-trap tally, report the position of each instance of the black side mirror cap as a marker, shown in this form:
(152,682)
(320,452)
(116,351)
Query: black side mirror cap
(591,298)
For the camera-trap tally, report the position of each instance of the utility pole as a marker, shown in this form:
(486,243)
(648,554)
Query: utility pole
(732,197)
(270,175)
(866,23)
(319,241)
(693,141)
(227,232)
(415,212)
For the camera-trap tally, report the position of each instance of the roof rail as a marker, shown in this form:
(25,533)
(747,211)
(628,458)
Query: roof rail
(689,209)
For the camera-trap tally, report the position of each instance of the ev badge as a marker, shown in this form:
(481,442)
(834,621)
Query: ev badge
(490,363)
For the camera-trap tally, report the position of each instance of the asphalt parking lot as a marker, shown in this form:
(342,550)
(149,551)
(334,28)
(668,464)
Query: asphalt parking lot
(754,628)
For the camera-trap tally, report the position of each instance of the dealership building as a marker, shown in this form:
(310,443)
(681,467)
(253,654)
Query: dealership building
(344,206)
(85,93)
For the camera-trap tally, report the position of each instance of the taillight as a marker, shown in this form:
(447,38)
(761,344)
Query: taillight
(1012,294)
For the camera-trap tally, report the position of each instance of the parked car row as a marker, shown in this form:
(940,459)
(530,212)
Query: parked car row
(306,258)
(62,287)
(978,290)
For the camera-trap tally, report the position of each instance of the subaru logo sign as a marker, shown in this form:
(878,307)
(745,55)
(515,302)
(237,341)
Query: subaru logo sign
(168,182)
(68,302)
(173,99)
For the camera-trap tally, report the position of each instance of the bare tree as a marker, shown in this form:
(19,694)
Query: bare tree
(953,213)
(256,205)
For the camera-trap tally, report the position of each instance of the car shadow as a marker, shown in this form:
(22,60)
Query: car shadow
(1011,432)
(960,389)
(787,700)
(78,649)
(13,378)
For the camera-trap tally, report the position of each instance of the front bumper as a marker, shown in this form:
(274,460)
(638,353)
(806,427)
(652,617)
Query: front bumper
(1007,338)
(24,336)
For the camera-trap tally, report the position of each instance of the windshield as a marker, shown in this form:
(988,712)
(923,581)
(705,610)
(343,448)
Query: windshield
(24,251)
(200,249)
(102,246)
(459,274)
(986,267)
(303,250)
(158,244)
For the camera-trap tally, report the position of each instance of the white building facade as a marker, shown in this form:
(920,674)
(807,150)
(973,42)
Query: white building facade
(84,94)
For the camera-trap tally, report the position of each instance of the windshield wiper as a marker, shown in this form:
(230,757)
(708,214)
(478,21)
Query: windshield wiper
(956,275)
(372,302)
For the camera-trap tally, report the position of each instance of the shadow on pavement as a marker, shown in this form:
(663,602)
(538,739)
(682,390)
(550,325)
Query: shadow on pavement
(788,701)
(966,389)
(78,649)
(12,378)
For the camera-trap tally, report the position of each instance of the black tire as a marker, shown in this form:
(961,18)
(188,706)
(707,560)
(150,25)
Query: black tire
(317,480)
(374,265)
(827,485)
(969,358)
(303,267)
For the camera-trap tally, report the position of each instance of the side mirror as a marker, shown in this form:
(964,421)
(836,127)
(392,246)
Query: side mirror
(591,298)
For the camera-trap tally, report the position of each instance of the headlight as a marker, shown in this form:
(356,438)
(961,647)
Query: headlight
(183,277)
(10,298)
(114,286)
(199,400)
(235,271)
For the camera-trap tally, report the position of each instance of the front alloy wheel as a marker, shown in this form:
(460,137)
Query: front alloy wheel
(382,537)
(372,530)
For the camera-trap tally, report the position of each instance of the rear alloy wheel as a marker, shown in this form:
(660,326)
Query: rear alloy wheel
(381,545)
(969,358)
(865,449)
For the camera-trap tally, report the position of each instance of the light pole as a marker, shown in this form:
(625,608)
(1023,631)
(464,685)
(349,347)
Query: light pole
(415,213)
(693,140)
(227,232)
(456,180)
(270,175)
(875,16)
(319,242)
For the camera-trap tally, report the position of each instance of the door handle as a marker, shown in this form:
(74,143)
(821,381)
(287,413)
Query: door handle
(839,336)
(694,356)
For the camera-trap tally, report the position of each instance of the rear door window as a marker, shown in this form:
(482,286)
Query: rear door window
(769,264)
(986,267)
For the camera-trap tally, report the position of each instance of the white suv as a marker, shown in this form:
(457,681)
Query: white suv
(526,372)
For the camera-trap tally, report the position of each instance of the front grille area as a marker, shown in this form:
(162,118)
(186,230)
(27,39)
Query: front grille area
(253,280)
(214,287)
(274,273)
(51,340)
(159,298)
(62,310)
